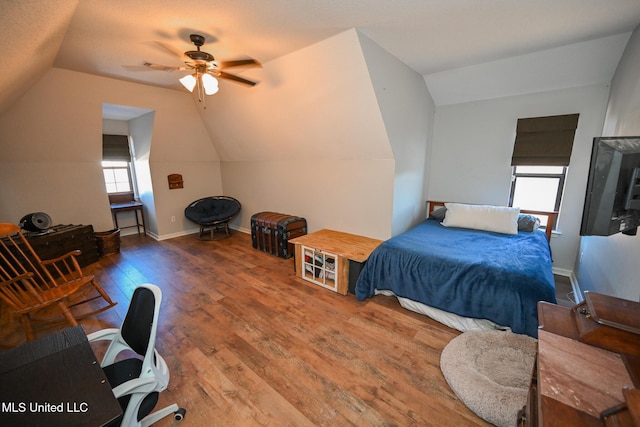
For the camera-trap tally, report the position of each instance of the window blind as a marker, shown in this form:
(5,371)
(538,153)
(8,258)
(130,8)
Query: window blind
(544,141)
(115,148)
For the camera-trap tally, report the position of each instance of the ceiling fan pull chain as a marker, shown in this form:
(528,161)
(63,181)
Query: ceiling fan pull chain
(199,86)
(200,89)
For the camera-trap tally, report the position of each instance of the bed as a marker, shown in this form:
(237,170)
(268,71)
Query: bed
(465,278)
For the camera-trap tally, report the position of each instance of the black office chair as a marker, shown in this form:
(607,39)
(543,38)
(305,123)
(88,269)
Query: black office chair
(136,383)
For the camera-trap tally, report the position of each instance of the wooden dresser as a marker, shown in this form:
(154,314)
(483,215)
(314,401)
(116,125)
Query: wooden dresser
(588,367)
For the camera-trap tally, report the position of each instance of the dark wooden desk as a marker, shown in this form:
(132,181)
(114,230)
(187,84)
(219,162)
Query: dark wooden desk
(576,382)
(127,207)
(55,380)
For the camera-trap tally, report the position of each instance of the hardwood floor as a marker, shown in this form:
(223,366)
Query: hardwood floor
(248,343)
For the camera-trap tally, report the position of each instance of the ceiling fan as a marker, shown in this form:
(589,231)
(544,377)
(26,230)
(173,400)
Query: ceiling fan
(206,69)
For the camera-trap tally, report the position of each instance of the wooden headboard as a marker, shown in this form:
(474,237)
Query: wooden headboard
(552,216)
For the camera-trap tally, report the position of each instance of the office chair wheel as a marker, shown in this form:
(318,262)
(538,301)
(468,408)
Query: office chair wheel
(179,414)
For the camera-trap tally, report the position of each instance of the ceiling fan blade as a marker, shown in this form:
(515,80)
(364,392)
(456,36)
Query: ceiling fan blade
(136,68)
(162,67)
(240,63)
(172,49)
(234,78)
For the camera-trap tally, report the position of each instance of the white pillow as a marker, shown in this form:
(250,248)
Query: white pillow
(499,219)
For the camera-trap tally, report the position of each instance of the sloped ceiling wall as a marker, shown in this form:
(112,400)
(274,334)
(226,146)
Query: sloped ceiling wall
(317,102)
(47,22)
(408,112)
(51,149)
(309,140)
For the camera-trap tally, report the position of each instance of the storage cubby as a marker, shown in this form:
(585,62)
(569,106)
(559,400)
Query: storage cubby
(320,267)
(324,258)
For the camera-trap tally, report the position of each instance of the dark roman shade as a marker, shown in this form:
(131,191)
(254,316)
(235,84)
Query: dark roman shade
(116,148)
(544,141)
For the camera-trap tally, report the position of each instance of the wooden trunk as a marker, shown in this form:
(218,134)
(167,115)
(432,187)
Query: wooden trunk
(271,232)
(62,239)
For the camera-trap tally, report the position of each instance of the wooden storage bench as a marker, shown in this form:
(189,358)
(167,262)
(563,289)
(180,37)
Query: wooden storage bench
(332,259)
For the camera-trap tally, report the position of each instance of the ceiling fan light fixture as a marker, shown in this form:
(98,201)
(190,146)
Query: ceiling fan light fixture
(189,82)
(206,70)
(210,84)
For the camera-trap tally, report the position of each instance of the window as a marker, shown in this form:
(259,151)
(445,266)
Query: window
(541,155)
(116,164)
(537,188)
(117,176)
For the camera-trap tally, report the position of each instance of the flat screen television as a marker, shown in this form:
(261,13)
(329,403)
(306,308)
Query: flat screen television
(612,201)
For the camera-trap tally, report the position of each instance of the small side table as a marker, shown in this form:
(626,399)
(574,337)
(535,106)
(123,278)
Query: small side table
(134,206)
(336,258)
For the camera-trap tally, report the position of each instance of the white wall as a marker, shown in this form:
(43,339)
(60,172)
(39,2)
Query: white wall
(315,103)
(473,143)
(348,195)
(51,149)
(609,265)
(407,112)
(115,127)
(309,140)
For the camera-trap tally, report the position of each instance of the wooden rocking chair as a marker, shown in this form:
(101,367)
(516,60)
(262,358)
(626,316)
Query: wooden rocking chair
(22,295)
(20,264)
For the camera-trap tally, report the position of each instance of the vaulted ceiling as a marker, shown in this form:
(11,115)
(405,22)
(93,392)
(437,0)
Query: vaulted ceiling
(449,42)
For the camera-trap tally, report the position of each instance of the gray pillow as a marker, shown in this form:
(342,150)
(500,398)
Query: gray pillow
(528,222)
(439,213)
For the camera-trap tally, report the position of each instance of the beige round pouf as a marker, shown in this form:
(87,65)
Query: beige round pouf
(490,372)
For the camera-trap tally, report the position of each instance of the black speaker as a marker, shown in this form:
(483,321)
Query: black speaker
(36,221)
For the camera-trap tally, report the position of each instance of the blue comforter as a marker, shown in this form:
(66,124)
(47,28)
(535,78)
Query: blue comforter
(471,273)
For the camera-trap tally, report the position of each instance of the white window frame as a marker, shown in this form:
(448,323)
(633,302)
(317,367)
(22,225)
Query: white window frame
(117,165)
(561,177)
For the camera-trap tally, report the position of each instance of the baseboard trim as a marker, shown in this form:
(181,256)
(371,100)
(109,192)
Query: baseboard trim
(562,272)
(577,293)
(575,287)
(241,229)
(174,235)
(188,232)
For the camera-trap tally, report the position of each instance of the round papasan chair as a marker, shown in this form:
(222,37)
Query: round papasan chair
(213,212)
